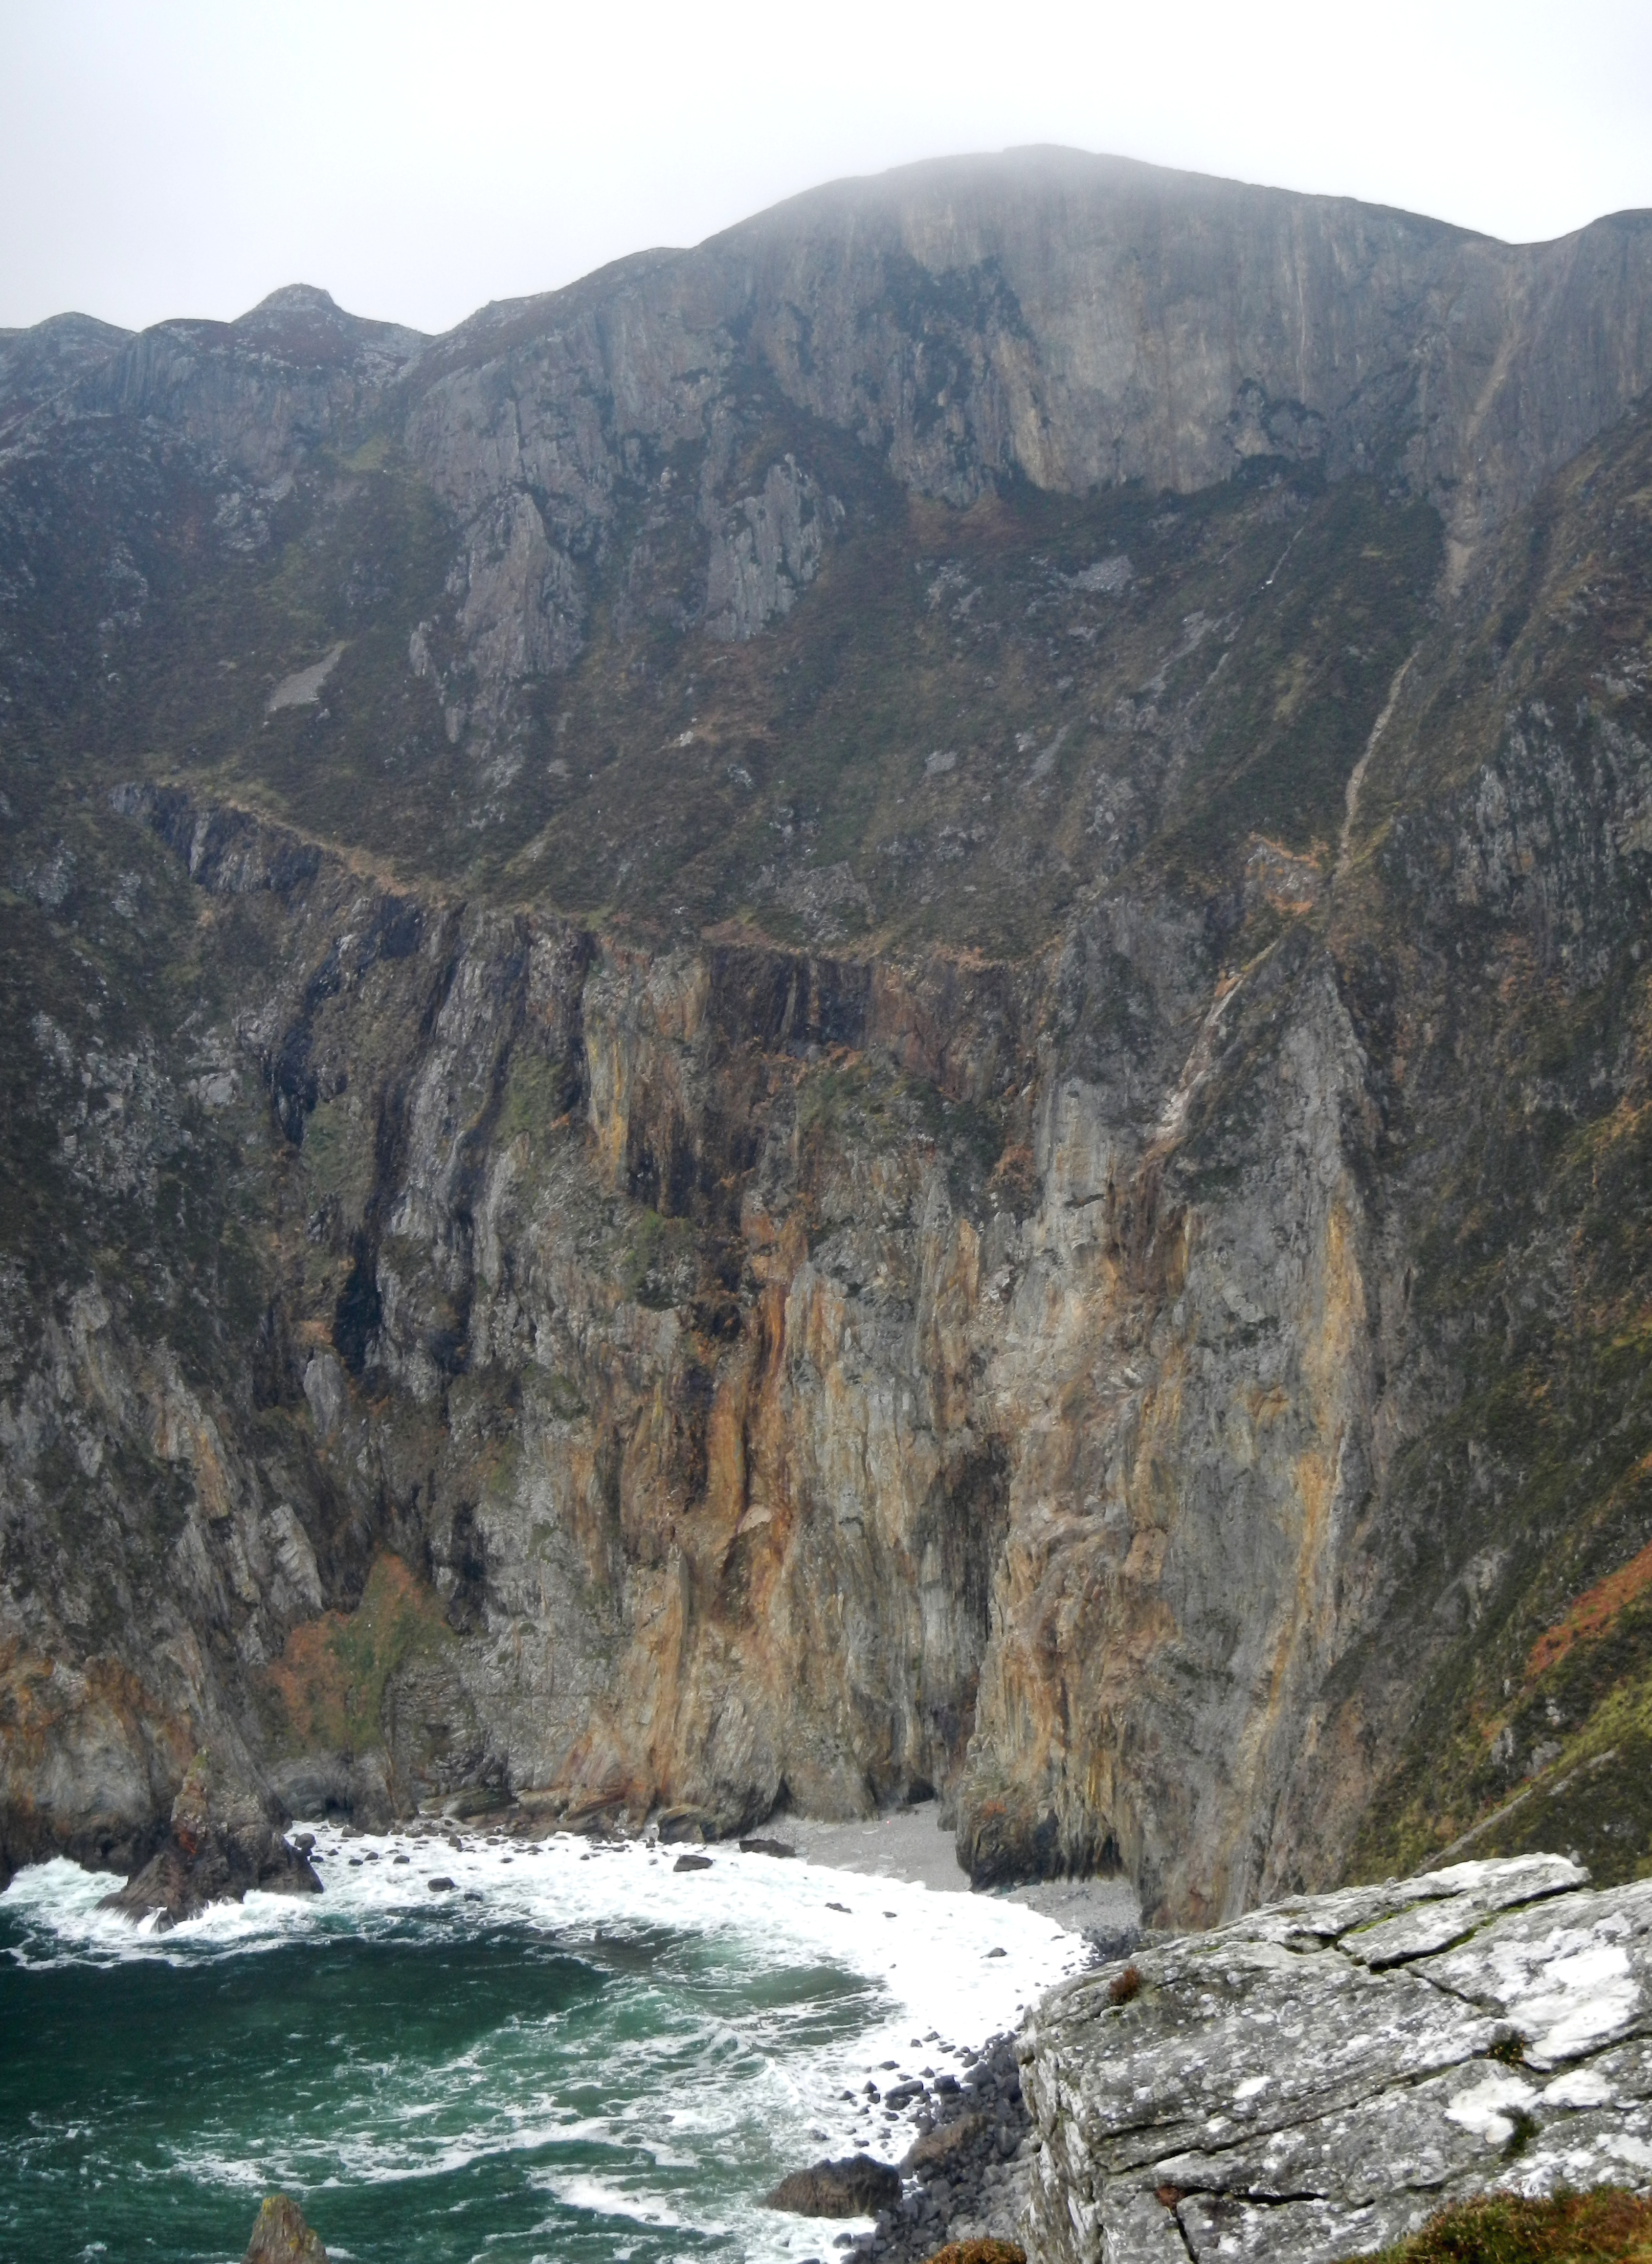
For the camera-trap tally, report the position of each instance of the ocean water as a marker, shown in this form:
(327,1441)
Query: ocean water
(580,2055)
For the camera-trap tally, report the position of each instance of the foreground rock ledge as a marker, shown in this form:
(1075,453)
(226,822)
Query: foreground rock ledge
(1317,2080)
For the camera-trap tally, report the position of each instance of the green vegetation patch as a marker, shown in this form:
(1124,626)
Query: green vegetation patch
(337,1152)
(657,1266)
(535,1100)
(1306,671)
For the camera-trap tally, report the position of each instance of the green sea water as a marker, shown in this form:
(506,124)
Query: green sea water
(565,2057)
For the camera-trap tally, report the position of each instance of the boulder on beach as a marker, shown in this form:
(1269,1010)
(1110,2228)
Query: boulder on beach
(856,2187)
(692,1863)
(280,2236)
(933,2151)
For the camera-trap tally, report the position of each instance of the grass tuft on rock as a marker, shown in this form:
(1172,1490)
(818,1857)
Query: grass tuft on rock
(1607,2226)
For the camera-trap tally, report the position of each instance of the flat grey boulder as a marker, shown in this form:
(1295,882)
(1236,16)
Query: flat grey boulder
(1316,2079)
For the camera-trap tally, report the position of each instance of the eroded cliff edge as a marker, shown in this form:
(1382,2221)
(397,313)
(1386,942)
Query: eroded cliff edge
(702,1112)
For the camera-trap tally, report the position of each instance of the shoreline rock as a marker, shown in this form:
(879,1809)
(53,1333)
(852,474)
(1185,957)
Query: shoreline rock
(221,1843)
(962,2180)
(280,2236)
(857,2186)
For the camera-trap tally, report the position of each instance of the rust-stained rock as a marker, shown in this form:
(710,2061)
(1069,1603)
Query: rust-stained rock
(993,1146)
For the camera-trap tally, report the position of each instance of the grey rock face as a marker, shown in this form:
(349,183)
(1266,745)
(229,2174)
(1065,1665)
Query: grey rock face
(255,394)
(1075,321)
(1071,320)
(1316,2080)
(1086,319)
(37,364)
(765,551)
(777,1374)
(325,1389)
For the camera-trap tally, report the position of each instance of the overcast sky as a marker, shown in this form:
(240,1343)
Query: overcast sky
(159,157)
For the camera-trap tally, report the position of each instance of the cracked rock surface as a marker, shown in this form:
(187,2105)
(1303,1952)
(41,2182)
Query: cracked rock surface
(1316,2080)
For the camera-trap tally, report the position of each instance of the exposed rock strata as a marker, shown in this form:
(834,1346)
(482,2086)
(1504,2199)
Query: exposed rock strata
(1316,2080)
(834,1463)
(859,1105)
(1076,321)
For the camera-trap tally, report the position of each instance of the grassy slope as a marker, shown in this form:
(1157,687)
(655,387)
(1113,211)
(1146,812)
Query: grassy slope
(1515,1035)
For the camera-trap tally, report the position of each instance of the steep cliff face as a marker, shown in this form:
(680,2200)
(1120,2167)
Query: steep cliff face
(860,1012)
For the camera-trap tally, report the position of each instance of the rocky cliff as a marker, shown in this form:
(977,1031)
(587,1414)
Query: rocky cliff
(860,1011)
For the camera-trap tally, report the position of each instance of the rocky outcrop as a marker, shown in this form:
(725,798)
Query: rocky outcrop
(1316,2080)
(856,2187)
(37,365)
(280,2236)
(765,551)
(221,1842)
(1076,321)
(1170,326)
(255,396)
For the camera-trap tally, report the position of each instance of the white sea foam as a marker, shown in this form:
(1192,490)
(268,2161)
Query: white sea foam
(909,1976)
(604,2198)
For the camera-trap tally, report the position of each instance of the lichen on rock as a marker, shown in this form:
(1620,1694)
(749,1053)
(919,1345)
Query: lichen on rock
(1318,2078)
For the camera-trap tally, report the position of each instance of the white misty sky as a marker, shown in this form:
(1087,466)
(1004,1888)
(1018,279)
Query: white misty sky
(159,157)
